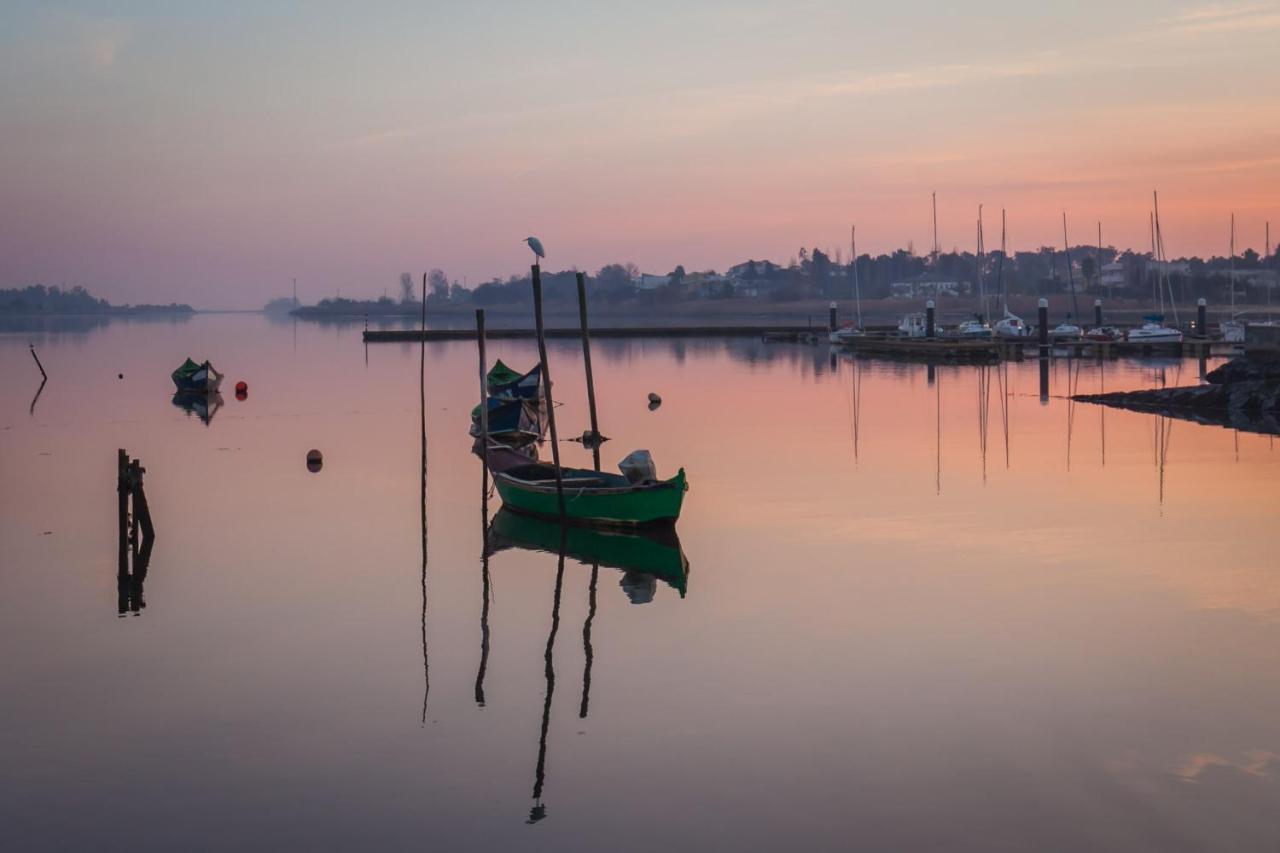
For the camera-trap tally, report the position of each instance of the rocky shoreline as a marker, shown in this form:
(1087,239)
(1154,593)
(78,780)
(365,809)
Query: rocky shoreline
(1242,394)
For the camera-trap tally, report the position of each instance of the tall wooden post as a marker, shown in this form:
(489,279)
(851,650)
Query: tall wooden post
(122,510)
(586,361)
(546,385)
(929,317)
(484,393)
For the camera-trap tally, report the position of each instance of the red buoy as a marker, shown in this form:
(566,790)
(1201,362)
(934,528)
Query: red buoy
(242,390)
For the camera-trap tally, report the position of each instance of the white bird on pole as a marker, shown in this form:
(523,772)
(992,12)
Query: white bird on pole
(536,245)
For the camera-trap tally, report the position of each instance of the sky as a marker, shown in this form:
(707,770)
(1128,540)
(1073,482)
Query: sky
(210,153)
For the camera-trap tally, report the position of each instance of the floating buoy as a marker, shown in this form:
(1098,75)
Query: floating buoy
(654,401)
(315,460)
(242,390)
(119,376)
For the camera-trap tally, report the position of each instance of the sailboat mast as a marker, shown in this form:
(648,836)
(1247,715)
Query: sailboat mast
(937,286)
(1231,269)
(1168,283)
(1100,259)
(982,282)
(1004,250)
(853,253)
(1071,282)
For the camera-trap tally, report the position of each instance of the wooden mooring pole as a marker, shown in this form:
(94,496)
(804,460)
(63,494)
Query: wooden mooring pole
(546,385)
(38,364)
(586,362)
(484,394)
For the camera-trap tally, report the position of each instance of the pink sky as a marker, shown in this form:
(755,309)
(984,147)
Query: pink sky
(211,156)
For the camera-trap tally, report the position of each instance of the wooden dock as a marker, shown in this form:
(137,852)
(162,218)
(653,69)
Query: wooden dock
(782,332)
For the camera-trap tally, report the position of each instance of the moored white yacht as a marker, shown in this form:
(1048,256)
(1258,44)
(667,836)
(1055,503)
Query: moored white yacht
(974,329)
(845,334)
(1153,330)
(914,326)
(1011,326)
(1065,332)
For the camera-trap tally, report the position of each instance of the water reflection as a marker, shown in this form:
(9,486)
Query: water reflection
(202,406)
(652,554)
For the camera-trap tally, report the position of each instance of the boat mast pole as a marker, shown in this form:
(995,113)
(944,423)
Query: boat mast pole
(937,285)
(546,386)
(1100,258)
(857,291)
(1231,269)
(1156,293)
(1004,250)
(1071,282)
(982,282)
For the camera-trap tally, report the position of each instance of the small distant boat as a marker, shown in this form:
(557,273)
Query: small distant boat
(1010,326)
(654,552)
(193,378)
(974,329)
(591,497)
(1232,331)
(1065,332)
(845,334)
(511,421)
(1104,334)
(1154,331)
(914,326)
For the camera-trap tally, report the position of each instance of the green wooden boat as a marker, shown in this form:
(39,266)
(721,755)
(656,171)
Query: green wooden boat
(649,551)
(591,497)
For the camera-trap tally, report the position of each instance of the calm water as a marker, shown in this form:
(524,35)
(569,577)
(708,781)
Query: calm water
(916,618)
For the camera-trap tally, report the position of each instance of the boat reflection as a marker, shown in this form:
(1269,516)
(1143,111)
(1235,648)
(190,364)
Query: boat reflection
(203,406)
(644,556)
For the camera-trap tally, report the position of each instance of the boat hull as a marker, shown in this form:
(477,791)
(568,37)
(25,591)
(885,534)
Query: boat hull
(610,506)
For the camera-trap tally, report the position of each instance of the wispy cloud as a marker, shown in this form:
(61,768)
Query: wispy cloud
(1227,18)
(1257,764)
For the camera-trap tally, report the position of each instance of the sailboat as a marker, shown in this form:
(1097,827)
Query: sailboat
(1067,331)
(1232,329)
(1105,334)
(1153,330)
(848,332)
(1011,325)
(916,325)
(977,328)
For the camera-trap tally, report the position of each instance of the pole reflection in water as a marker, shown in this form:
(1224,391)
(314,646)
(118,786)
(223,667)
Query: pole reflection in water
(587,651)
(39,391)
(937,407)
(984,413)
(136,535)
(1102,410)
(422,420)
(538,810)
(486,585)
(1002,374)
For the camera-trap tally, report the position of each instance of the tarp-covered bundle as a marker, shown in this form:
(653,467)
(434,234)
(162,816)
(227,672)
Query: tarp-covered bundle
(511,421)
(505,382)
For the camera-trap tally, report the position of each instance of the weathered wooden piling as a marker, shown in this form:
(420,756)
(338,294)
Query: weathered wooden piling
(1097,312)
(484,392)
(929,318)
(1202,322)
(832,320)
(38,364)
(1042,326)
(586,363)
(546,386)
